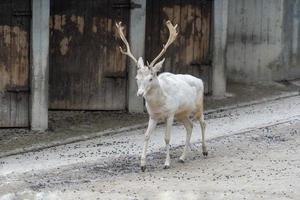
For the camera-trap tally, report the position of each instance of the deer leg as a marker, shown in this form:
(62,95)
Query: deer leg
(203,126)
(167,141)
(151,126)
(189,128)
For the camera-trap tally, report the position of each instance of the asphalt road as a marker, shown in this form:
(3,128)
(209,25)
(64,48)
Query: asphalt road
(253,154)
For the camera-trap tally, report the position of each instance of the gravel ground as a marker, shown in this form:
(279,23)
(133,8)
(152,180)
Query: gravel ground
(68,124)
(253,154)
(259,164)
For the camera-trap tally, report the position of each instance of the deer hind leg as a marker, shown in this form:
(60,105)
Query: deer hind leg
(189,128)
(203,127)
(200,117)
(167,141)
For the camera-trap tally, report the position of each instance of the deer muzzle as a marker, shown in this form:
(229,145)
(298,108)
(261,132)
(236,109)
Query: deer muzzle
(140,92)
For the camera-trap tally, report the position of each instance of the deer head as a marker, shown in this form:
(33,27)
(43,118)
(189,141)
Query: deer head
(147,74)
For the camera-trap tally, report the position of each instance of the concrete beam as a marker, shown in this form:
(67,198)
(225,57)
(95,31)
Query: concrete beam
(137,30)
(39,64)
(220,16)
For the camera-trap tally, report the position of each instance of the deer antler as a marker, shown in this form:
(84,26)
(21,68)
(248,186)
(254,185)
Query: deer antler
(120,29)
(172,36)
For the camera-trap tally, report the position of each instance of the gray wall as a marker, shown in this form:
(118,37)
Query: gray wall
(39,65)
(263,41)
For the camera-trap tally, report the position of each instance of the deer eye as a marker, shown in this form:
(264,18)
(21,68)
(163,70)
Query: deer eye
(150,79)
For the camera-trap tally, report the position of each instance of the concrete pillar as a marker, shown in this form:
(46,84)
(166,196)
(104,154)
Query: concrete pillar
(220,15)
(137,31)
(39,64)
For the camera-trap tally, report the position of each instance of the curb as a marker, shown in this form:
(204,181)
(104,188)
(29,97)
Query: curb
(263,100)
(42,146)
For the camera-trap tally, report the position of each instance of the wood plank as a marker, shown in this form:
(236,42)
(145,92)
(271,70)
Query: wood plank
(204,25)
(167,7)
(149,25)
(157,23)
(183,39)
(197,33)
(207,32)
(190,38)
(176,20)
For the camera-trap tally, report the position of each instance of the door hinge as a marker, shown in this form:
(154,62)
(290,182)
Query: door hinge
(17,90)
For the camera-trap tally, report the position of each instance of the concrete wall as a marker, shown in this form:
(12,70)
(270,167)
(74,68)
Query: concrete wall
(220,17)
(137,44)
(263,41)
(39,65)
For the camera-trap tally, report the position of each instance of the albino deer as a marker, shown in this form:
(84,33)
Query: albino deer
(167,96)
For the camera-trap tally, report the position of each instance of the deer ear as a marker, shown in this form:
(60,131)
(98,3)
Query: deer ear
(158,65)
(140,63)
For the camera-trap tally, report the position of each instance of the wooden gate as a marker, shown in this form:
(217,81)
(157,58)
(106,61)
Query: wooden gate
(191,51)
(87,71)
(14,62)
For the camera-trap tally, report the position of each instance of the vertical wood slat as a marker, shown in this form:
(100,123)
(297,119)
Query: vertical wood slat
(166,13)
(197,33)
(176,20)
(184,68)
(190,36)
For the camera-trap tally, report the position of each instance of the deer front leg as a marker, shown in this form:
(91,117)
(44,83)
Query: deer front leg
(167,140)
(151,126)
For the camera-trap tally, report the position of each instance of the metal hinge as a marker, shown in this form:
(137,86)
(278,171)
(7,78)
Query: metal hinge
(17,89)
(126,5)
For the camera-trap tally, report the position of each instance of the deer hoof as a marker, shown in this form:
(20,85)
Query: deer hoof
(181,160)
(143,168)
(205,153)
(167,167)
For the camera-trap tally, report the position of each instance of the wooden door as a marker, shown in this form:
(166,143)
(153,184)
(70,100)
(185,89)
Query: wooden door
(87,70)
(14,62)
(190,53)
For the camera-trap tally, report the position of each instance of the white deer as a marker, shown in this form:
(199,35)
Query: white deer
(167,96)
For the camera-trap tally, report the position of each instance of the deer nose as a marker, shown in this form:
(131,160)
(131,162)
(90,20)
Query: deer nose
(140,93)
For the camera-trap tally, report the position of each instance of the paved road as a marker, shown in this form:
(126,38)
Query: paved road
(253,152)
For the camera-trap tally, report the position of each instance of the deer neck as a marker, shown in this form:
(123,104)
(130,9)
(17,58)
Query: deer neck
(155,97)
